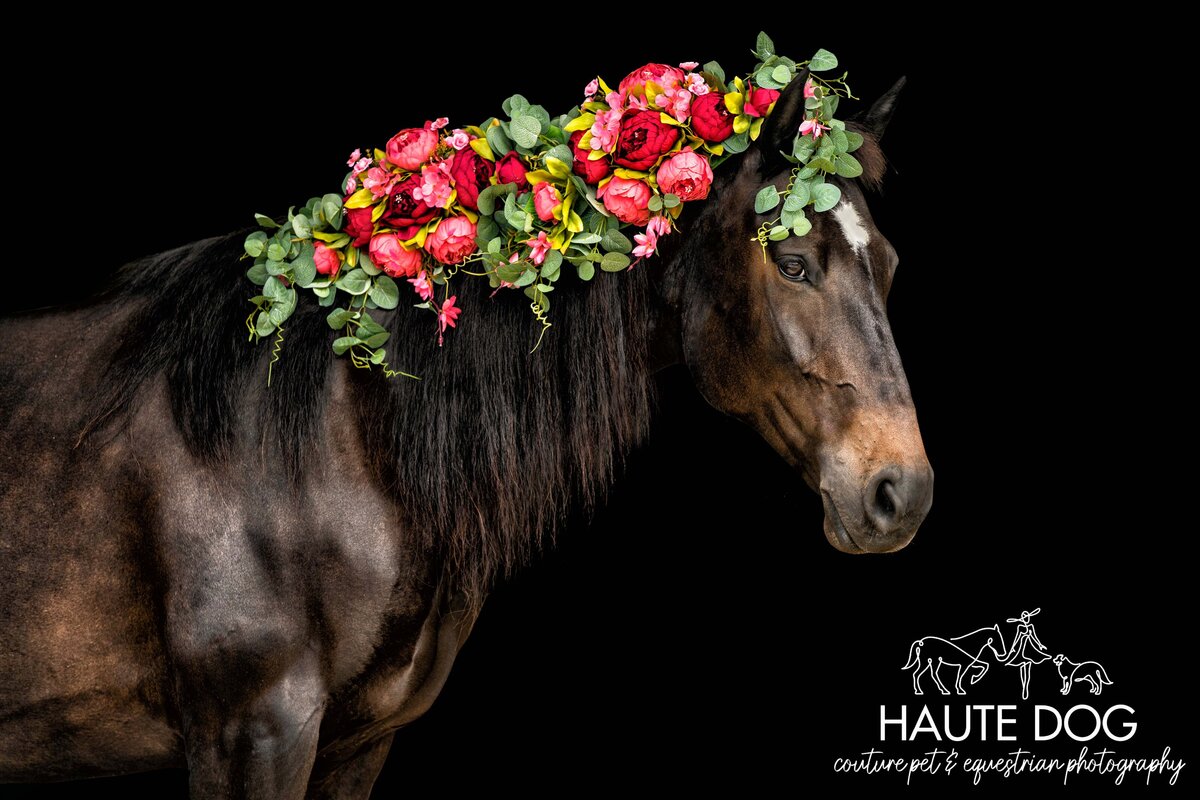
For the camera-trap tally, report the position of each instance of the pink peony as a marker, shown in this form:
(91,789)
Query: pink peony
(627,199)
(663,76)
(326,258)
(452,240)
(412,147)
(686,174)
(393,258)
(546,200)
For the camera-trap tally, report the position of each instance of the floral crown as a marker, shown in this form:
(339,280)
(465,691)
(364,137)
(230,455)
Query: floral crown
(514,199)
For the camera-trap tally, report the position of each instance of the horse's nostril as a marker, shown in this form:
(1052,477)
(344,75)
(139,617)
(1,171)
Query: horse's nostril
(883,498)
(885,501)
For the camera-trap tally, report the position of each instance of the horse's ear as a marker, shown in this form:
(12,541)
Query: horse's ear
(880,114)
(780,129)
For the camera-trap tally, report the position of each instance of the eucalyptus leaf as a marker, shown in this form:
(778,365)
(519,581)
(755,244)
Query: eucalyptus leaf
(738,143)
(354,282)
(257,274)
(274,289)
(255,244)
(304,269)
(331,207)
(585,269)
(714,69)
(366,264)
(848,166)
(384,292)
(264,325)
(782,75)
(340,317)
(265,221)
(764,47)
(525,130)
(825,196)
(853,140)
(498,141)
(376,339)
(822,60)
(302,226)
(778,233)
(614,262)
(655,204)
(344,343)
(802,227)
(670,200)
(616,242)
(587,237)
(276,251)
(525,278)
(553,261)
(766,199)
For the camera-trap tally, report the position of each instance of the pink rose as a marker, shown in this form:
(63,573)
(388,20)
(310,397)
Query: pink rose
(412,147)
(758,101)
(472,173)
(390,256)
(627,199)
(358,226)
(511,169)
(686,174)
(452,240)
(592,172)
(546,200)
(326,258)
(665,77)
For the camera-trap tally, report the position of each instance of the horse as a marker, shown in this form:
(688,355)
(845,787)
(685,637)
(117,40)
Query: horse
(964,653)
(261,584)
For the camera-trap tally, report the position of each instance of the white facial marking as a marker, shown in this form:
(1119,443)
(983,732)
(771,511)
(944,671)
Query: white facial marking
(852,226)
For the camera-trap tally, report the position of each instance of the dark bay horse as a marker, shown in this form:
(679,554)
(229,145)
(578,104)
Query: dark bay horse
(263,584)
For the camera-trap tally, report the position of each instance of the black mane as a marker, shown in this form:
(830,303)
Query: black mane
(485,453)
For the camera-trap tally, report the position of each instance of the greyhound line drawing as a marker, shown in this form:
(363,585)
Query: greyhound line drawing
(968,656)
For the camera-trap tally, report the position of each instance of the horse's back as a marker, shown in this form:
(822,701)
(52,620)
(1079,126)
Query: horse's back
(81,670)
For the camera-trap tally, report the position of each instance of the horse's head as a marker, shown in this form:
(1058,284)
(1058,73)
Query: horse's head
(798,343)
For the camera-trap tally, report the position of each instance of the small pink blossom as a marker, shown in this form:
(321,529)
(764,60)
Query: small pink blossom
(447,316)
(355,156)
(540,247)
(688,66)
(606,129)
(814,127)
(351,185)
(809,89)
(647,244)
(422,286)
(459,139)
(435,188)
(379,181)
(437,124)
(697,85)
(615,100)
(638,103)
(590,90)
(675,101)
(658,225)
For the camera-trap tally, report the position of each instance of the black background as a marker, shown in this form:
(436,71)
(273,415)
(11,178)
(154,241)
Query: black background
(699,633)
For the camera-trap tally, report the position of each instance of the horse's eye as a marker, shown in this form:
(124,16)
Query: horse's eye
(793,268)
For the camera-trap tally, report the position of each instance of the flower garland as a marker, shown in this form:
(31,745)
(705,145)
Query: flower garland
(514,199)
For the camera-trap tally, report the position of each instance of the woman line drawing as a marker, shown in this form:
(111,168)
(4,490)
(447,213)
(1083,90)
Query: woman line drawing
(1027,649)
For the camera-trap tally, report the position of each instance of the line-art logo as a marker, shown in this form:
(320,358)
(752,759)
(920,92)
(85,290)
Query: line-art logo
(972,655)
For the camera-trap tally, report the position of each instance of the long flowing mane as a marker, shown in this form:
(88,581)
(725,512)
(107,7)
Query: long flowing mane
(485,453)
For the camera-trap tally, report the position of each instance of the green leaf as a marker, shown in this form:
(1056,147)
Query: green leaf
(587,237)
(366,264)
(789,219)
(331,207)
(487,198)
(498,141)
(766,199)
(263,325)
(255,244)
(670,200)
(517,104)
(378,356)
(764,47)
(822,60)
(514,215)
(385,292)
(258,273)
(304,269)
(276,251)
(714,69)
(376,339)
(614,262)
(274,289)
(778,233)
(825,196)
(525,278)
(487,229)
(848,166)
(615,242)
(553,261)
(340,318)
(510,272)
(738,143)
(354,282)
(327,299)
(265,221)
(302,226)
(840,142)
(585,269)
(823,164)
(795,201)
(766,80)
(283,308)
(853,141)
(344,343)
(782,75)
(830,104)
(803,148)
(525,130)
(655,204)
(802,227)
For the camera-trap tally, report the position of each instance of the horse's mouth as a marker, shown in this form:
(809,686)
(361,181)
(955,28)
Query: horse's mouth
(835,529)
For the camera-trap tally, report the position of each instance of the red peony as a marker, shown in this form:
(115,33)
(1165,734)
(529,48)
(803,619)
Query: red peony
(591,171)
(627,199)
(452,240)
(471,173)
(665,76)
(711,120)
(644,139)
(759,101)
(511,169)
(358,226)
(405,212)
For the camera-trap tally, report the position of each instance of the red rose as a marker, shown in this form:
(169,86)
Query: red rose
(511,169)
(711,120)
(591,171)
(643,140)
(359,226)
(405,212)
(471,173)
(758,101)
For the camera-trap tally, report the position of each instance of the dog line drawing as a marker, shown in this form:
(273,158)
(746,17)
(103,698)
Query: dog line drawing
(1072,672)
